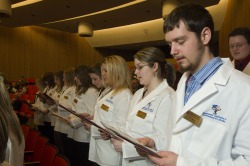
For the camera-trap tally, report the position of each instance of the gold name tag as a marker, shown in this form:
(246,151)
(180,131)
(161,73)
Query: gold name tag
(141,114)
(193,118)
(104,107)
(66,97)
(75,100)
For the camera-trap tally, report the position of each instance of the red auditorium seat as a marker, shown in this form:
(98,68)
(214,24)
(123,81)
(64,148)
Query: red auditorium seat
(31,139)
(36,154)
(61,160)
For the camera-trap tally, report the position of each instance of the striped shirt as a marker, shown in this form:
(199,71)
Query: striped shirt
(195,81)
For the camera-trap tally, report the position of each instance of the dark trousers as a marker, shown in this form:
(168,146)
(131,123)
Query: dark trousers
(49,132)
(81,153)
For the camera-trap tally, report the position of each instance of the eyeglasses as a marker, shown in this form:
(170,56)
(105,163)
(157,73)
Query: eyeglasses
(238,45)
(139,67)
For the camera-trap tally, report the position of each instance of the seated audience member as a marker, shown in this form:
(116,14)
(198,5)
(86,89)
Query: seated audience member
(239,46)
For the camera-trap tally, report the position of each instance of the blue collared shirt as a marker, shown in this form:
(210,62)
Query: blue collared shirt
(195,81)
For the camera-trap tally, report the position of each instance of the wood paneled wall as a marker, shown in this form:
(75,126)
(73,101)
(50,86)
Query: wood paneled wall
(238,14)
(31,51)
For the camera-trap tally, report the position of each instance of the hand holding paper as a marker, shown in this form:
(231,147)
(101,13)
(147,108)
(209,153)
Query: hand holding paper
(146,142)
(104,135)
(124,136)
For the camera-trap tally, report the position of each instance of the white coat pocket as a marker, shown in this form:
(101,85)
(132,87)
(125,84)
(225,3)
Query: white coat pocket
(206,139)
(106,111)
(143,122)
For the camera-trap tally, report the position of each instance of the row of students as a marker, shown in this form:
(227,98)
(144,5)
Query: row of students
(148,113)
(72,89)
(150,105)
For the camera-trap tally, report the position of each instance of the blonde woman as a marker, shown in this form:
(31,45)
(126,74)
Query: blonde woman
(112,106)
(15,145)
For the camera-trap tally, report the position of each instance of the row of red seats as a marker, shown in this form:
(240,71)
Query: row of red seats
(39,151)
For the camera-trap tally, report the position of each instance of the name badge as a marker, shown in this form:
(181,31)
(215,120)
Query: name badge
(141,114)
(193,118)
(75,100)
(105,107)
(65,97)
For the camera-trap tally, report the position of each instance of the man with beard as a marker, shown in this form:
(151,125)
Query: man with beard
(211,125)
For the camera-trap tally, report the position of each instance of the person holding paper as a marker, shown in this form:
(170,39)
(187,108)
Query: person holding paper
(66,100)
(83,103)
(151,111)
(212,124)
(112,106)
(48,79)
(58,79)
(38,115)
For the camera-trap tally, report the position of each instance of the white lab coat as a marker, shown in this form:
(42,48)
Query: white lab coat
(52,108)
(65,100)
(38,115)
(247,68)
(159,119)
(47,115)
(58,120)
(223,137)
(102,152)
(84,103)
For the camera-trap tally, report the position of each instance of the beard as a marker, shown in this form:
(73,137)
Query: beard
(194,65)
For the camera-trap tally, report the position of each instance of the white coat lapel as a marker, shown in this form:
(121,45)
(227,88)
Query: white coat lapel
(196,98)
(100,100)
(67,90)
(208,89)
(149,98)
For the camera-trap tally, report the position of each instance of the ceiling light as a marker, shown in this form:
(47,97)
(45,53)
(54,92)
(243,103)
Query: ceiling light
(5,8)
(24,3)
(85,29)
(100,12)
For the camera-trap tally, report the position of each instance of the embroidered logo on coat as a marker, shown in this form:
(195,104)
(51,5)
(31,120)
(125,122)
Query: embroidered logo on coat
(147,107)
(213,114)
(216,108)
